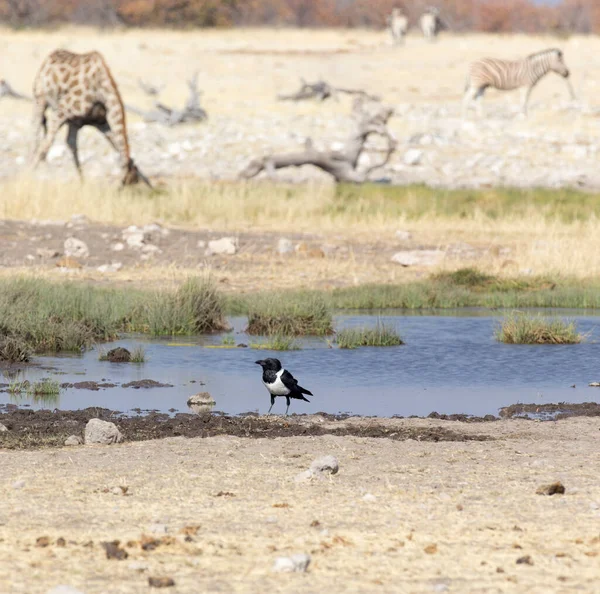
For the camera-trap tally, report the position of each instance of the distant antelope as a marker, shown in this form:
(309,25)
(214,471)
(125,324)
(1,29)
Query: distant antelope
(430,23)
(80,91)
(398,23)
(509,75)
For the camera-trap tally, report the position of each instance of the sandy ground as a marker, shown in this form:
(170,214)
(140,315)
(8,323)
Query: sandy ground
(241,73)
(400,516)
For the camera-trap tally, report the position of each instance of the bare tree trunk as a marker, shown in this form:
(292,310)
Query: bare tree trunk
(343,164)
(322,90)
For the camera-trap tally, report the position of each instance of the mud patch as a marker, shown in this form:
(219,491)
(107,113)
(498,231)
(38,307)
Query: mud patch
(28,429)
(146,383)
(88,385)
(562,410)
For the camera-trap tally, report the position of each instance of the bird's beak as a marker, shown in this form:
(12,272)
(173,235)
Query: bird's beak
(259,362)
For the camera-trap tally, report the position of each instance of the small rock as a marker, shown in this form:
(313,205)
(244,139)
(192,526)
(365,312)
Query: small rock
(18,484)
(102,432)
(326,464)
(76,248)
(73,440)
(138,566)
(3,428)
(413,156)
(307,475)
(201,402)
(120,490)
(418,257)
(160,582)
(114,551)
(79,219)
(56,152)
(285,246)
(158,529)
(525,560)
(118,355)
(117,247)
(223,246)
(296,563)
(42,541)
(30,257)
(403,235)
(594,384)
(551,489)
(431,549)
(369,498)
(64,589)
(134,237)
(47,253)
(201,244)
(112,267)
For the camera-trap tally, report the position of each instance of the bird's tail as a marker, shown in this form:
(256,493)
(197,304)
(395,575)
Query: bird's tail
(304,391)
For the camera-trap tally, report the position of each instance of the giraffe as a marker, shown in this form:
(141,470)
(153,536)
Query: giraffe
(80,91)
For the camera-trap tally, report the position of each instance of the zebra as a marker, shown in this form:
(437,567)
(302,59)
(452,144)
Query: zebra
(430,23)
(398,23)
(506,75)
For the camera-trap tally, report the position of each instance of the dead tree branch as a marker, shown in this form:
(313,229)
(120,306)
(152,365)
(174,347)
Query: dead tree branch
(170,116)
(342,164)
(7,91)
(149,88)
(322,90)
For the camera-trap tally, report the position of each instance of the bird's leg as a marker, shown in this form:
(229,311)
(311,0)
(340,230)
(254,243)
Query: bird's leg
(288,406)
(270,407)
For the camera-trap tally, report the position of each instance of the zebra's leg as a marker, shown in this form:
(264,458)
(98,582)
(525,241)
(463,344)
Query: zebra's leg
(468,98)
(526,100)
(72,143)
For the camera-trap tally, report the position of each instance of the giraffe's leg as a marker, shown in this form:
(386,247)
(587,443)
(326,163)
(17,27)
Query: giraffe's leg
(72,142)
(38,125)
(54,123)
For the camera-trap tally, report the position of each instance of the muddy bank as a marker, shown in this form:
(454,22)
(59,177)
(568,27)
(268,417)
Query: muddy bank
(34,429)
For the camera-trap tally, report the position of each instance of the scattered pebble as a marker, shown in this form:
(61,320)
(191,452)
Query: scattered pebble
(551,489)
(47,253)
(18,484)
(296,563)
(369,498)
(138,566)
(413,156)
(525,560)
(418,257)
(431,549)
(117,247)
(285,246)
(112,267)
(42,541)
(73,440)
(158,529)
(119,490)
(101,432)
(3,428)
(326,464)
(160,582)
(223,246)
(76,248)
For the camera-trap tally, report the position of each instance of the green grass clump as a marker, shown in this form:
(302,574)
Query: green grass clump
(380,336)
(289,314)
(18,387)
(521,328)
(465,277)
(228,340)
(277,342)
(14,350)
(196,307)
(45,387)
(138,355)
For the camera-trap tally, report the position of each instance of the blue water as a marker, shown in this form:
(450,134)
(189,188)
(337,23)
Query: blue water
(449,364)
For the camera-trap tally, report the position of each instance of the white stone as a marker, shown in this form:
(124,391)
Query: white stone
(403,235)
(20,160)
(413,156)
(158,529)
(56,152)
(30,257)
(285,246)
(201,244)
(201,402)
(47,252)
(64,589)
(117,247)
(305,476)
(134,237)
(418,257)
(150,250)
(103,432)
(76,248)
(225,246)
(73,440)
(369,498)
(112,267)
(18,484)
(325,464)
(3,428)
(138,566)
(296,563)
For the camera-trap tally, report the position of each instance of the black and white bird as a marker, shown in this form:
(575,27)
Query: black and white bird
(280,382)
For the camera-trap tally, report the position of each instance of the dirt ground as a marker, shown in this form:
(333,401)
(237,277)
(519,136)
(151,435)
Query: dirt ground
(213,514)
(241,72)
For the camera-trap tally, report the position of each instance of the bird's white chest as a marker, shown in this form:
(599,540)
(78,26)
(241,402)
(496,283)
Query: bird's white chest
(277,388)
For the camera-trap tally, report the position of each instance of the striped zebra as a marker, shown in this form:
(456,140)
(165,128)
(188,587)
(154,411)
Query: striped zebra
(430,23)
(398,24)
(506,75)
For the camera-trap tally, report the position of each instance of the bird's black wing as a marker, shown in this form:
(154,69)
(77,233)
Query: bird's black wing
(291,383)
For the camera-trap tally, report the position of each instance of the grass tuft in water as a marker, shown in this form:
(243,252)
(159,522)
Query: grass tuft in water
(522,328)
(277,342)
(289,314)
(228,340)
(196,307)
(18,387)
(380,336)
(138,355)
(14,350)
(45,387)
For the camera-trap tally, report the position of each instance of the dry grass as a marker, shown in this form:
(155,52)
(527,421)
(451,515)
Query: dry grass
(521,328)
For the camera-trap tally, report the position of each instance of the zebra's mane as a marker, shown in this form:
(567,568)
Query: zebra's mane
(542,53)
